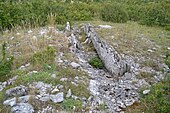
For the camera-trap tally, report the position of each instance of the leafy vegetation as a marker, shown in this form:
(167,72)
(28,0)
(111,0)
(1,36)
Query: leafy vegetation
(167,60)
(46,56)
(114,13)
(96,62)
(158,100)
(70,104)
(6,62)
(35,13)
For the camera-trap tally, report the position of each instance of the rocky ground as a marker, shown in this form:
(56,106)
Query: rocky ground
(76,86)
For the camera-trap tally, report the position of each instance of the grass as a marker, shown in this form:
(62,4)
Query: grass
(27,42)
(96,63)
(69,105)
(136,40)
(129,38)
(157,101)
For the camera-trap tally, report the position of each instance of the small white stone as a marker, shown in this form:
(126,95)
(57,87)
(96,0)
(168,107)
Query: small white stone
(146,92)
(149,50)
(68,93)
(53,75)
(27,65)
(11,38)
(105,26)
(55,90)
(10,102)
(75,65)
(30,31)
(34,38)
(63,79)
(57,98)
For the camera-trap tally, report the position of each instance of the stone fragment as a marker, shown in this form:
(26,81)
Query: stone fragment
(53,76)
(63,79)
(105,26)
(45,98)
(22,108)
(55,90)
(109,56)
(57,98)
(68,93)
(67,26)
(75,65)
(24,99)
(10,102)
(146,92)
(19,90)
(93,87)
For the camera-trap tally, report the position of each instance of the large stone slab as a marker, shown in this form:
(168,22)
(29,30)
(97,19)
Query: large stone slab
(109,56)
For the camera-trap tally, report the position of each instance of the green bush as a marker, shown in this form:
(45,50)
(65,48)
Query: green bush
(114,13)
(167,60)
(69,104)
(6,62)
(46,56)
(96,62)
(158,100)
(157,14)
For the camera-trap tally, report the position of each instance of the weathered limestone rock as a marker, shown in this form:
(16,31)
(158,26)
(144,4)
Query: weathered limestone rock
(105,26)
(22,108)
(146,92)
(10,102)
(57,98)
(68,93)
(67,27)
(73,42)
(19,90)
(75,65)
(107,54)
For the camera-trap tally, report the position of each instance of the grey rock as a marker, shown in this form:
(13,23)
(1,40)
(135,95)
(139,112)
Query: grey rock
(1,88)
(60,87)
(19,90)
(22,108)
(57,98)
(67,26)
(25,99)
(68,93)
(109,56)
(75,65)
(74,43)
(93,87)
(55,90)
(39,85)
(53,76)
(146,92)
(129,102)
(11,81)
(74,97)
(63,79)
(10,102)
(45,98)
(105,26)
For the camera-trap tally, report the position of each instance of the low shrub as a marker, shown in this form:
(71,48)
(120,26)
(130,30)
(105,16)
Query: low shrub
(96,62)
(69,104)
(46,56)
(114,13)
(158,99)
(157,14)
(167,60)
(6,62)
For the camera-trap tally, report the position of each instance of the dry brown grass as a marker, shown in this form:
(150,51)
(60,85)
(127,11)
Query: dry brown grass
(27,42)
